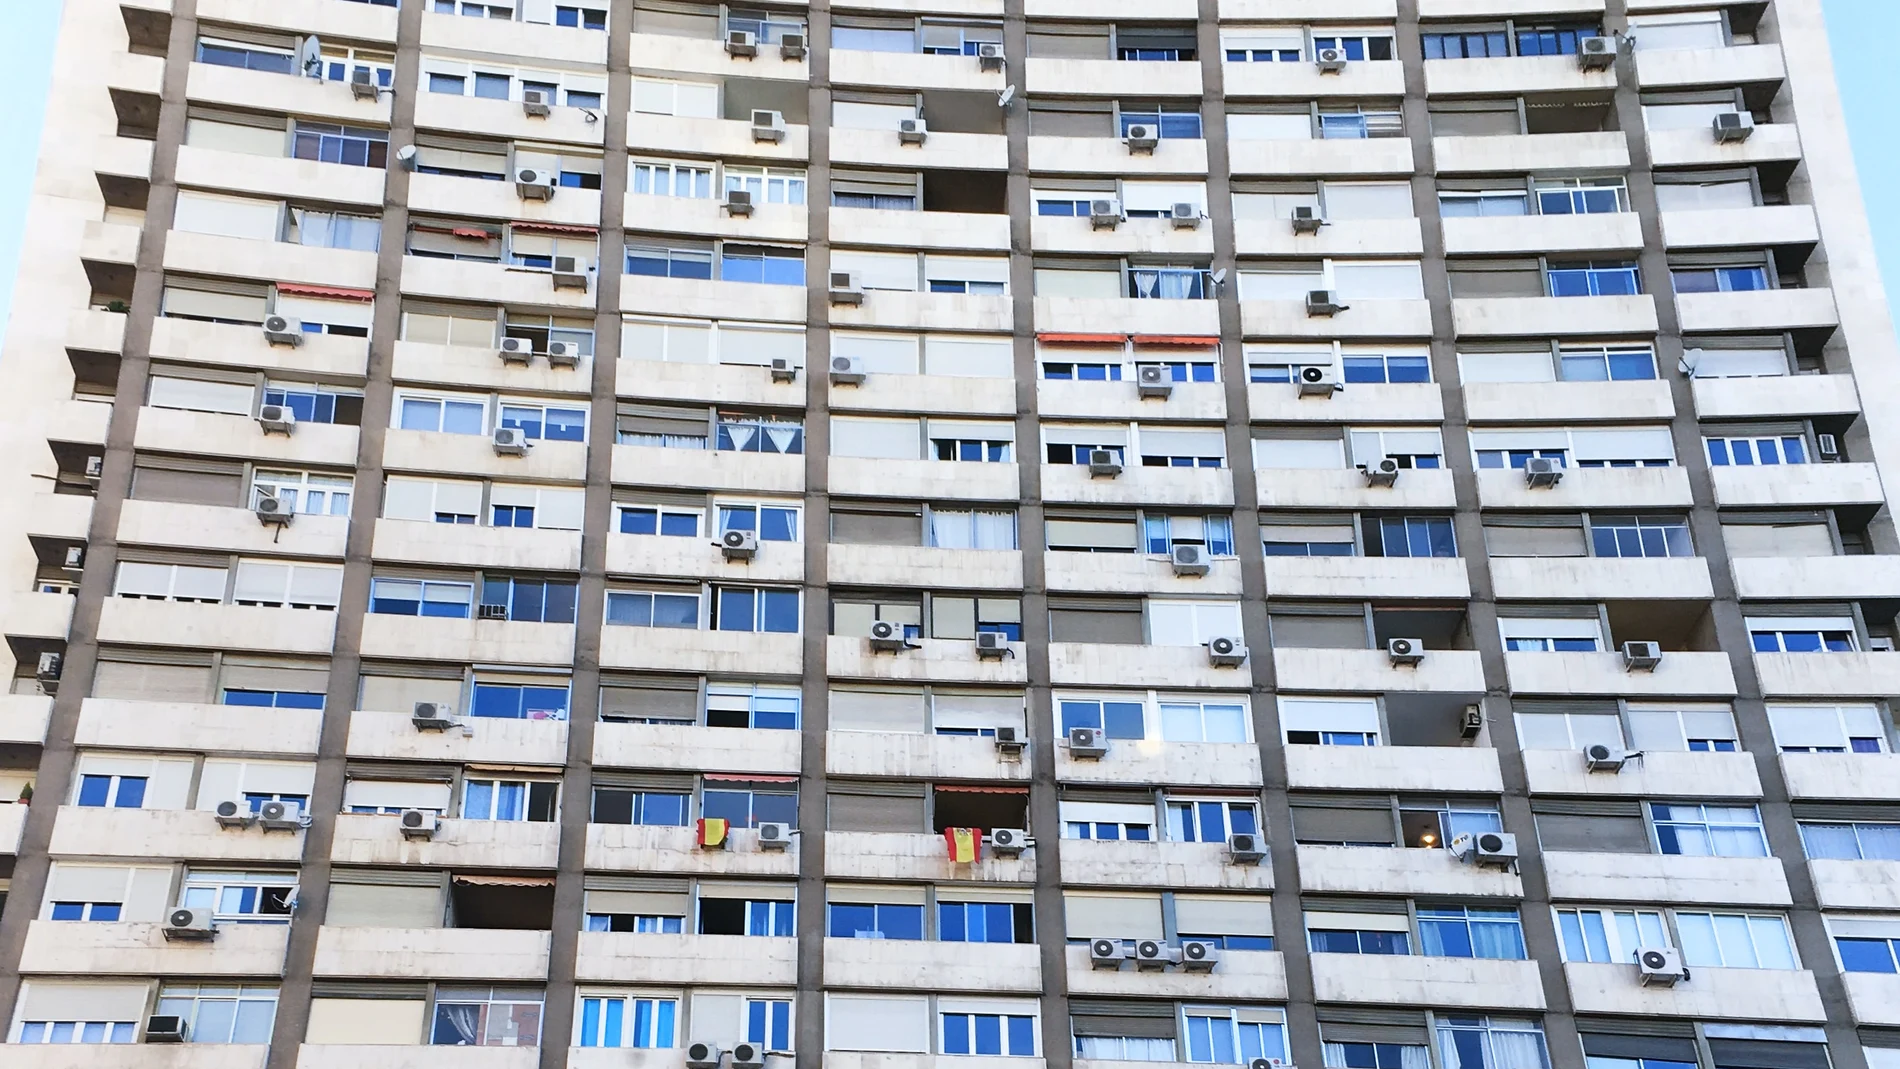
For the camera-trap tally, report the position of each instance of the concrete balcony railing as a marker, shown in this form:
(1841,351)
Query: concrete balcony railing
(1445,578)
(1861,674)
(114,244)
(917,858)
(1127,315)
(1144,237)
(1665,879)
(424,276)
(1774,224)
(375,839)
(710,652)
(393,736)
(913,71)
(465,366)
(1731,994)
(231,627)
(238,437)
(470,546)
(892,755)
(726,137)
(955,395)
(1239,975)
(927,660)
(1857,885)
(1477,317)
(280,176)
(915,965)
(1448,672)
(979,231)
(1860,777)
(144,1056)
(483,198)
(1792,578)
(760,473)
(269,261)
(23,719)
(60,516)
(1657,773)
(1111,78)
(230,530)
(505,37)
(1604,150)
(1874,998)
(1274,236)
(928,567)
(1533,234)
(1781,395)
(179,833)
(1794,485)
(882,148)
(648,848)
(378,1056)
(1200,866)
(1602,578)
(1439,769)
(1760,310)
(152,725)
(1570,402)
(1681,674)
(1723,67)
(693,960)
(1455,983)
(443,954)
(728,384)
(1397,870)
(1401,402)
(690,747)
(1135,573)
(1109,155)
(1359,157)
(1073,484)
(234,346)
(703,297)
(1305,81)
(96,331)
(467,641)
(1363,318)
(284,93)
(1516,74)
(904,310)
(1177,764)
(78,422)
(506,119)
(1697,147)
(365,23)
(931,480)
(1589,488)
(12,824)
(37,615)
(1346,488)
(1104,664)
(141,949)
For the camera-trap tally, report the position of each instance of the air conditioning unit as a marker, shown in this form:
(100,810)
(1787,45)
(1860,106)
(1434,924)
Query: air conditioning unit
(1106,953)
(992,646)
(49,666)
(1596,53)
(234,814)
(846,288)
(165,1028)
(768,126)
(1188,560)
(847,371)
(1152,954)
(791,45)
(75,558)
(1154,380)
(1307,219)
(509,442)
(1104,462)
(1734,126)
(96,466)
(280,816)
(1141,137)
(491,612)
(1827,447)
(783,370)
(1330,60)
(1245,848)
(739,545)
(1405,650)
(1321,303)
(283,330)
(1471,722)
(888,636)
(1660,967)
(742,43)
(774,835)
(187,923)
(747,1056)
(1600,758)
(738,202)
(432,716)
(570,273)
(703,1056)
(1087,742)
(1008,739)
(1008,842)
(1384,473)
(1226,652)
(1198,956)
(363,84)
(1320,380)
(417,823)
(1266,1063)
(1185,215)
(1641,656)
(1543,472)
(516,351)
(1489,849)
(1105,214)
(536,103)
(278,418)
(533,184)
(272,509)
(989,56)
(564,354)
(912,131)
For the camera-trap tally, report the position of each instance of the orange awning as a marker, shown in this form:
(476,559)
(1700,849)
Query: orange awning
(1081,339)
(475,232)
(553,228)
(1198,341)
(505,881)
(333,293)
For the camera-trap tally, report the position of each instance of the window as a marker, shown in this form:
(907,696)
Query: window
(501,799)
(221,1014)
(1386,367)
(1459,932)
(520,701)
(1490,1043)
(768,185)
(1313,539)
(1330,721)
(110,792)
(948,444)
(762,263)
(664,809)
(772,523)
(1828,728)
(1535,635)
(303,492)
(1605,364)
(1708,830)
(447,415)
(1852,842)
(317,404)
(1719,279)
(1640,536)
(643,608)
(1165,121)
(239,897)
(671,178)
(1116,719)
(750,807)
(1187,623)
(634,922)
(867,920)
(663,262)
(1166,283)
(1734,941)
(549,422)
(971,529)
(742,433)
(1236,1036)
(1108,821)
(352,146)
(1345,933)
(985,922)
(1264,46)
(1582,196)
(77,1032)
(1483,204)
(1201,721)
(660,520)
(585,18)
(1700,729)
(539,601)
(1866,944)
(1768,449)
(1357,123)
(1795,634)
(170,582)
(486,1017)
(619,1021)
(768,1023)
(1553,40)
(1411,448)
(1594,279)
(759,707)
(246,57)
(1411,536)
(989,1033)
(1375,1056)
(1609,936)
(1428,828)
(755,609)
(1358,46)
(421,597)
(1211,820)
(85,911)
(1213,532)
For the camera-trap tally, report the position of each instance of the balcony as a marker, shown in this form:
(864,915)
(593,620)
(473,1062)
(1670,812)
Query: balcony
(1602,578)
(307,97)
(748,385)
(916,230)
(1110,155)
(1358,578)
(1665,879)
(1856,884)
(1534,234)
(649,848)
(1516,74)
(1134,573)
(1564,317)
(1399,871)
(375,839)
(910,72)
(78,422)
(464,366)
(930,480)
(1761,310)
(1112,78)
(424,276)
(1108,9)
(1570,402)
(1791,578)
(210,729)
(23,719)
(411,1056)
(471,546)
(882,148)
(673,55)
(707,217)
(1861,674)
(478,739)
(1146,237)
(229,530)
(1127,315)
(1723,67)
(61,516)
(1590,151)
(1697,147)
(1360,319)
(1138,484)
(723,138)
(928,660)
(756,473)
(1589,488)
(507,119)
(928,567)
(1782,224)
(1175,764)
(1240,975)
(691,748)
(1682,674)
(1436,769)
(226,627)
(896,755)
(728,653)
(96,331)
(1793,486)
(1859,777)
(1873,998)
(167,430)
(442,954)
(1709,993)
(34,615)
(109,250)
(141,949)
(1444,672)
(365,23)
(1361,402)
(643,294)
(1785,395)
(1454,983)
(1305,81)
(280,176)
(691,960)
(915,965)
(1356,157)
(676,557)
(1097,664)
(1339,237)
(946,394)
(904,310)
(231,346)
(486,198)
(12,824)
(146,1056)
(467,641)
(269,261)
(474,454)
(1655,773)
(1346,488)
(144,834)
(1172,865)
(525,39)
(916,858)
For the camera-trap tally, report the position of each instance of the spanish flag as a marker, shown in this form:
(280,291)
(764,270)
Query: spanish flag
(964,844)
(712,832)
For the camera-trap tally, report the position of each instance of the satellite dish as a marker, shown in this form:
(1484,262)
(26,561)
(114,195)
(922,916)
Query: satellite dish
(406,156)
(1003,98)
(310,56)
(1217,277)
(1691,358)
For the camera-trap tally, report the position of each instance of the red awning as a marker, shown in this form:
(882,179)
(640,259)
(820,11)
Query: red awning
(1081,339)
(333,293)
(955,789)
(504,881)
(553,228)
(748,777)
(475,232)
(1198,341)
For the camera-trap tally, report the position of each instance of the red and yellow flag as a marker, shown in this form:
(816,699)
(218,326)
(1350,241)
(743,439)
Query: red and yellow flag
(712,831)
(964,843)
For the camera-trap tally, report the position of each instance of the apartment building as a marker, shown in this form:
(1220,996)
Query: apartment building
(948,534)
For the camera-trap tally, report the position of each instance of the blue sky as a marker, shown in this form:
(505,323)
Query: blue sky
(1862,32)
